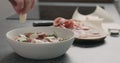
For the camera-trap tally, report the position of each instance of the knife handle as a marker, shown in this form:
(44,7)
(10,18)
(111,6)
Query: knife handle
(37,24)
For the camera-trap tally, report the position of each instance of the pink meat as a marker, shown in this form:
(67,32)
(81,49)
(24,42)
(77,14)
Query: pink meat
(69,24)
(58,21)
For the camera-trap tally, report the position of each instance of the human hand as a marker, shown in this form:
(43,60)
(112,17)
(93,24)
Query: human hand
(22,6)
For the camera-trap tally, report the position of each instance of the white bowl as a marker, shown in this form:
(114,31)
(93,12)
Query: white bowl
(43,50)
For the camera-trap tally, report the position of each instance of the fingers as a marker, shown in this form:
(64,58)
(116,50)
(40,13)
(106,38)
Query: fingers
(22,6)
(17,5)
(33,2)
(28,4)
(13,2)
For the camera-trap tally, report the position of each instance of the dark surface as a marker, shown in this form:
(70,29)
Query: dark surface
(89,43)
(45,12)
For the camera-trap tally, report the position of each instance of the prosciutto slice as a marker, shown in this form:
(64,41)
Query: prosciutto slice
(80,28)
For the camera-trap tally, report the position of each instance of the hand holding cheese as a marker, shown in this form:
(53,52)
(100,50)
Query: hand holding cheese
(22,7)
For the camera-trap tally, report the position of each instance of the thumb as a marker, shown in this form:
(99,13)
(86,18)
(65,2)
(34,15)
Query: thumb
(13,2)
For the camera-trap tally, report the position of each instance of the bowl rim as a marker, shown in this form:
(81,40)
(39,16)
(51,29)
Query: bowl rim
(7,35)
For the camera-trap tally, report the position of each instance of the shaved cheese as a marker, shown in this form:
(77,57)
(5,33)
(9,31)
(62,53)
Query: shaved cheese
(22,17)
